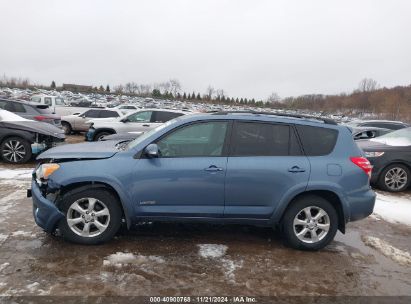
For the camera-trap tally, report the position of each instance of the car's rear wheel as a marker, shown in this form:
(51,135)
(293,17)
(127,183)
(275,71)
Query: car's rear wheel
(66,127)
(92,216)
(310,223)
(15,150)
(395,178)
(99,136)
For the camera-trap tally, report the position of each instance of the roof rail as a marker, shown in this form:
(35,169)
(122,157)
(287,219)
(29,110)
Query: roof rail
(302,116)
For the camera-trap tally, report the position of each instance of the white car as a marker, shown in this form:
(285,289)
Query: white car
(127,108)
(80,122)
(137,122)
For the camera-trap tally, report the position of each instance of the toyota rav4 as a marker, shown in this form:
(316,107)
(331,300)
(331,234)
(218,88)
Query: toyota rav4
(303,175)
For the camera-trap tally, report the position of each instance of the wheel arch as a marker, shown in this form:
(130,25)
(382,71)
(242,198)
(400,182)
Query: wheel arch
(80,186)
(328,195)
(100,130)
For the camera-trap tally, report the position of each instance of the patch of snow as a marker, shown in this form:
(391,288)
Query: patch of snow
(16,174)
(397,255)
(393,208)
(230,267)
(22,233)
(33,286)
(3,237)
(4,266)
(212,250)
(8,202)
(123,258)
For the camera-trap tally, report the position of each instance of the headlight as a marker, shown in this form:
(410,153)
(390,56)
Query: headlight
(45,170)
(374,154)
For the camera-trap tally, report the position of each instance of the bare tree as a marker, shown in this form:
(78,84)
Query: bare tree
(273,98)
(220,93)
(209,92)
(368,85)
(175,86)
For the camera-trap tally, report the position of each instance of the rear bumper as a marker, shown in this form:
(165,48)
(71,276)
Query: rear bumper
(362,205)
(45,213)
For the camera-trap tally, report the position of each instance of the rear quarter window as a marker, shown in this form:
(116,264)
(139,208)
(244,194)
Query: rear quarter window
(317,141)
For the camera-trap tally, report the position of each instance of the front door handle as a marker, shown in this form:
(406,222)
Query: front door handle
(296,169)
(146,125)
(213,168)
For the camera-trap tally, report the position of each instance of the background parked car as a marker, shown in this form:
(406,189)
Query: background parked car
(127,108)
(385,124)
(52,101)
(80,122)
(368,132)
(30,110)
(140,121)
(20,138)
(390,156)
(121,137)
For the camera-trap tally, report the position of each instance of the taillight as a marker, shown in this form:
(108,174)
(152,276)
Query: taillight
(363,163)
(40,117)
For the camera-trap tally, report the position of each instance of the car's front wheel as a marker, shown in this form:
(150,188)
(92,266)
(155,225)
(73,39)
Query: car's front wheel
(15,150)
(310,223)
(99,136)
(395,178)
(92,216)
(66,127)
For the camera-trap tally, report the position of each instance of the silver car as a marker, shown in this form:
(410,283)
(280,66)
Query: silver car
(140,121)
(80,122)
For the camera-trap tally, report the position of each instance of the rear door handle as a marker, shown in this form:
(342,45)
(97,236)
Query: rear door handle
(213,168)
(146,125)
(296,169)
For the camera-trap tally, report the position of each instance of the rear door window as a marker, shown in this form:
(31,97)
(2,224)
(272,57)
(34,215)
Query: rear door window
(92,113)
(140,117)
(261,139)
(161,116)
(107,114)
(47,101)
(317,141)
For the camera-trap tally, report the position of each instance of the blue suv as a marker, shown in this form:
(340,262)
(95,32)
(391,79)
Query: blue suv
(302,175)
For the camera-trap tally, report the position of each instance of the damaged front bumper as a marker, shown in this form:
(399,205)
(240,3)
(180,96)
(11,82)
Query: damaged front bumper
(45,213)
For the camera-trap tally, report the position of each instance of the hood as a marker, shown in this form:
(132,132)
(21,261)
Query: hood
(35,126)
(87,150)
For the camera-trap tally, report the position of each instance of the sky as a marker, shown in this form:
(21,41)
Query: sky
(249,48)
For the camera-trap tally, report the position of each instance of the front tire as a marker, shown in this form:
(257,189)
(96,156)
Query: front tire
(15,150)
(66,128)
(100,135)
(395,178)
(92,216)
(310,223)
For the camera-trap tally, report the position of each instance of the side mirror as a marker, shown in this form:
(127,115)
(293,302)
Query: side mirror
(151,151)
(124,120)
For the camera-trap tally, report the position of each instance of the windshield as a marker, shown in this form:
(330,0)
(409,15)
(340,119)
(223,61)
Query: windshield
(397,138)
(146,135)
(8,116)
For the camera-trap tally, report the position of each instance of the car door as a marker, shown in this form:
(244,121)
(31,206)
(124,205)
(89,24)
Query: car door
(81,122)
(187,179)
(265,162)
(137,122)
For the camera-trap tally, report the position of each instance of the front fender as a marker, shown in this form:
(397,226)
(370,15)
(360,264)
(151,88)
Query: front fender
(86,172)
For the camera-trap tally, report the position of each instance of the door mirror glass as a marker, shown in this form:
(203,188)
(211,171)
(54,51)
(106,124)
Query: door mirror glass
(151,151)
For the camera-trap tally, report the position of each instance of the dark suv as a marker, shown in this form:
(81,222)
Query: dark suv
(303,175)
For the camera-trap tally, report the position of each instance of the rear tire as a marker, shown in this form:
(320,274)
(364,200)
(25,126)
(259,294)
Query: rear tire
(395,178)
(15,150)
(101,134)
(92,216)
(310,223)
(66,127)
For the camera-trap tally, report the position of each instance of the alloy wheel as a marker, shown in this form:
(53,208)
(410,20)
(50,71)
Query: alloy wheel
(88,217)
(311,224)
(396,178)
(14,151)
